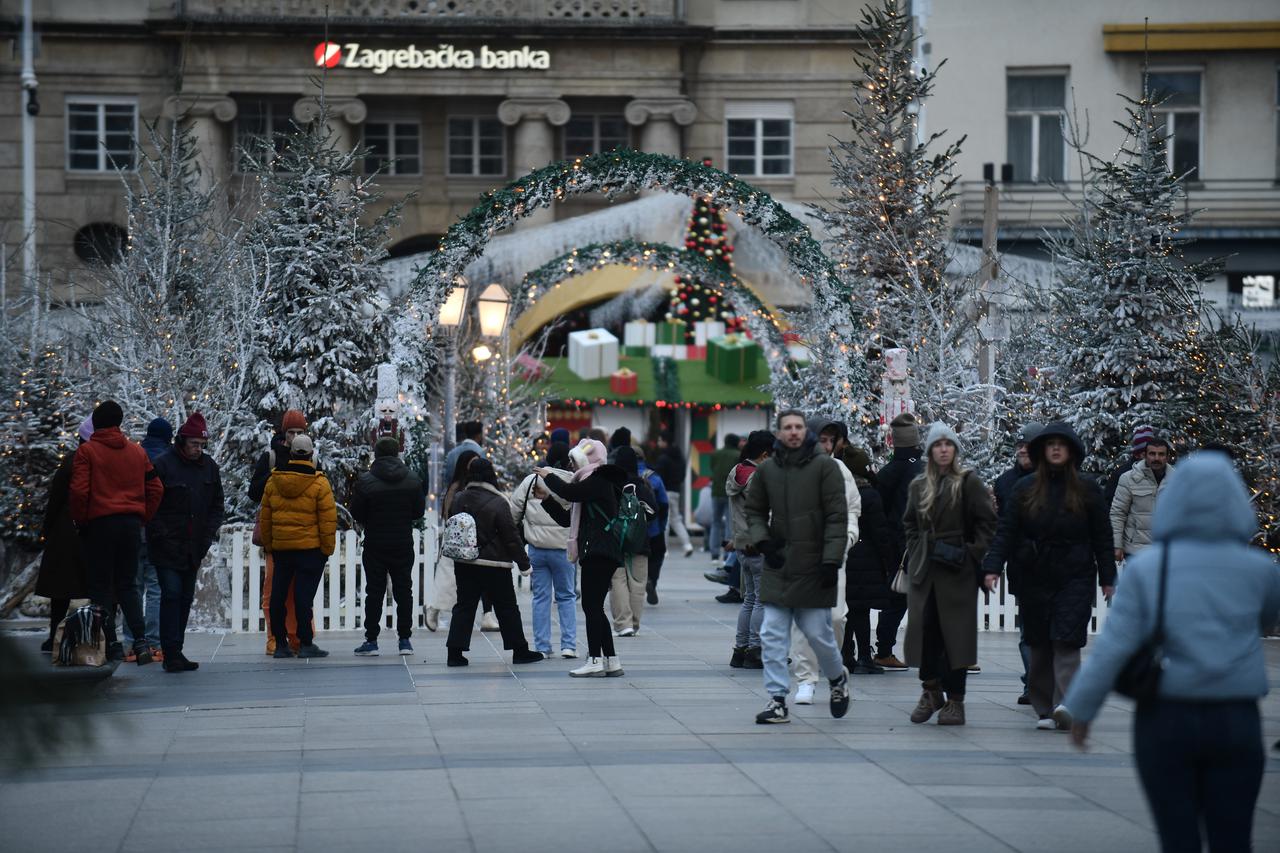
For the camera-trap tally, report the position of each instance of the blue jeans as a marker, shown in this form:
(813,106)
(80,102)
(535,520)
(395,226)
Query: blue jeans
(177,590)
(552,572)
(149,595)
(1201,766)
(752,612)
(719,525)
(775,644)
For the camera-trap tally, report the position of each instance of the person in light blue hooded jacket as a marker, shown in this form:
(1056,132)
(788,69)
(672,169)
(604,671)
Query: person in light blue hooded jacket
(1198,745)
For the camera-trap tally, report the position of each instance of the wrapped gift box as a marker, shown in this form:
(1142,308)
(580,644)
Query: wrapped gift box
(705,330)
(733,358)
(639,334)
(593,354)
(636,352)
(679,352)
(670,332)
(530,369)
(624,381)
(696,353)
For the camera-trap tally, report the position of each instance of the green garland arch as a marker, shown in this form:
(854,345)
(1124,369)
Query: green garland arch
(761,322)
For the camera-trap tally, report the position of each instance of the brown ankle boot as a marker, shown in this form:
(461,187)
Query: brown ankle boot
(930,701)
(952,714)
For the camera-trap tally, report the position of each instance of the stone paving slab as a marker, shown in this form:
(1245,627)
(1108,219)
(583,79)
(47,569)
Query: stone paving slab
(391,753)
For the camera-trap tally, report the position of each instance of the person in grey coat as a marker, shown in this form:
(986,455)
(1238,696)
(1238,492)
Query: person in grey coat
(1198,744)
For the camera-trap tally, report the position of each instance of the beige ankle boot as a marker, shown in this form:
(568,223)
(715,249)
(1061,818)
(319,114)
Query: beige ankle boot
(952,713)
(931,700)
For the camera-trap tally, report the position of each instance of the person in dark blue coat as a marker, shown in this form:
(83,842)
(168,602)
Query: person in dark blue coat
(182,531)
(1198,743)
(157,442)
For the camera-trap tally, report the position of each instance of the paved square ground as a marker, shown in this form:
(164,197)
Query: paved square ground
(389,753)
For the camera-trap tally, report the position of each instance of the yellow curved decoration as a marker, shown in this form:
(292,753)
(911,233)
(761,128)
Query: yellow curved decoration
(590,287)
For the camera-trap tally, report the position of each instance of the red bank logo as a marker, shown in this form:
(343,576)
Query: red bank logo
(328,54)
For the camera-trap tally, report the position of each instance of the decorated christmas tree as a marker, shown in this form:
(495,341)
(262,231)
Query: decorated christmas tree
(706,235)
(887,226)
(1130,320)
(316,256)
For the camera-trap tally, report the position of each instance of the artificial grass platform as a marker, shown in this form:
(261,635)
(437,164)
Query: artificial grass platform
(695,385)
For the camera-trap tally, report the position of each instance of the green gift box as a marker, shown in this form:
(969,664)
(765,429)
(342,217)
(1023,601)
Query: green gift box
(733,358)
(640,352)
(670,332)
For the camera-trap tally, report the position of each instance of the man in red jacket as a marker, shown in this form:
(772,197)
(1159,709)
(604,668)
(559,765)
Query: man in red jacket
(114,491)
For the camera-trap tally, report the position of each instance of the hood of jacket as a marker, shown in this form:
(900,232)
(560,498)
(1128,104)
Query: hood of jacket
(110,436)
(294,478)
(613,474)
(389,469)
(739,478)
(155,446)
(1204,498)
(1057,429)
(787,457)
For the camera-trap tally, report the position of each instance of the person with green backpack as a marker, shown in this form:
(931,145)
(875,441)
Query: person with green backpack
(637,507)
(595,493)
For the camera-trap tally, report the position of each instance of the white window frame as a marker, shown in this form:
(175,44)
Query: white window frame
(1174,111)
(271,104)
(760,112)
(1036,113)
(475,147)
(105,164)
(595,132)
(393,169)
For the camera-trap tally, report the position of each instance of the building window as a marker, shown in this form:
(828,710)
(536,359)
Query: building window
(262,131)
(100,244)
(1177,98)
(758,138)
(1036,106)
(394,148)
(101,133)
(592,134)
(477,146)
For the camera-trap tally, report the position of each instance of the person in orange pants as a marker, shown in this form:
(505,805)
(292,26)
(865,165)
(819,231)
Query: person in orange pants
(292,423)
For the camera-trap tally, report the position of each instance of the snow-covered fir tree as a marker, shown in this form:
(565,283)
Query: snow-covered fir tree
(887,227)
(1129,313)
(316,256)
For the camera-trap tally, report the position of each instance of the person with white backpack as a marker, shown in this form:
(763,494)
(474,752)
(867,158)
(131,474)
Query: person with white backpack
(481,539)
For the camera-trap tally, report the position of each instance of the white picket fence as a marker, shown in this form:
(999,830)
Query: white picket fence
(339,601)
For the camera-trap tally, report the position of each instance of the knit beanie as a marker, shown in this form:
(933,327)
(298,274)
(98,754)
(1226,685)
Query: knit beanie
(108,414)
(1029,431)
(293,419)
(194,427)
(301,447)
(858,462)
(86,429)
(558,454)
(1142,435)
(621,438)
(386,446)
(161,429)
(560,435)
(906,430)
(625,458)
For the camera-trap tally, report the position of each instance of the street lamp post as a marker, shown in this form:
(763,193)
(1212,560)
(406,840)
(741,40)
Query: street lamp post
(451,314)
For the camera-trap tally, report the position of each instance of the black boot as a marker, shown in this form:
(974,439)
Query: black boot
(177,662)
(738,659)
(457,658)
(752,658)
(526,655)
(115,651)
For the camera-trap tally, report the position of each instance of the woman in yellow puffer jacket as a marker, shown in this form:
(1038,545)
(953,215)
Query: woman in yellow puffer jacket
(298,524)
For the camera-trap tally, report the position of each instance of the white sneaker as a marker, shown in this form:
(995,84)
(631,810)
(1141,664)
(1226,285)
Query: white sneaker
(625,632)
(804,694)
(568,653)
(1046,724)
(593,668)
(489,621)
(431,617)
(612,667)
(1062,718)
(688,550)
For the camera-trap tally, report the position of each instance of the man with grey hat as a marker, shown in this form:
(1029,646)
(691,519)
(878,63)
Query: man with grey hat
(1022,466)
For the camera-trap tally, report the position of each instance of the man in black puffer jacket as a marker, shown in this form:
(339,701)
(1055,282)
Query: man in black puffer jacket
(387,500)
(894,483)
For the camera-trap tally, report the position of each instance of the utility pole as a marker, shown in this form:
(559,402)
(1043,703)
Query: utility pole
(31,108)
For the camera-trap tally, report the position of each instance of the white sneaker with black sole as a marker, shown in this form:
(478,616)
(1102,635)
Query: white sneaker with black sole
(593,668)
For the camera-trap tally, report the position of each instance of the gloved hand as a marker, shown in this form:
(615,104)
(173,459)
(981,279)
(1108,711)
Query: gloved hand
(772,554)
(830,575)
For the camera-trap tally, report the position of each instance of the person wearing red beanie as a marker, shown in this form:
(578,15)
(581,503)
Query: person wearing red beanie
(182,531)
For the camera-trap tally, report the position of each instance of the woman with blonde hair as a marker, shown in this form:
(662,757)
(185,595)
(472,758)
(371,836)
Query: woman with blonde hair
(948,522)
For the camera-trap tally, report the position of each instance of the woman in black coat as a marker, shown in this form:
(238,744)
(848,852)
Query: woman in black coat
(1055,536)
(867,569)
(490,573)
(62,570)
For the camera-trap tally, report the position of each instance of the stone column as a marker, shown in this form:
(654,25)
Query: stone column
(535,142)
(345,114)
(209,117)
(660,120)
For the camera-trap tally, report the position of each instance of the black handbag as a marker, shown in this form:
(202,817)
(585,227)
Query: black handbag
(948,555)
(1140,677)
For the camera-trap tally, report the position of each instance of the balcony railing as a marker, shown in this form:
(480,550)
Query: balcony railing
(1225,204)
(440,11)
